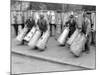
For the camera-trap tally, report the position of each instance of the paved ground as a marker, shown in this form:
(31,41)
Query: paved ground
(24,64)
(57,53)
(55,58)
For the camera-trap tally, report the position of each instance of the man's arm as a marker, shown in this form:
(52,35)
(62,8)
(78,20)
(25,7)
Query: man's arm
(88,27)
(33,23)
(76,24)
(66,24)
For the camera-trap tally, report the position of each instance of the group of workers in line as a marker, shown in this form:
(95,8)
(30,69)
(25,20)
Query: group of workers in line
(86,23)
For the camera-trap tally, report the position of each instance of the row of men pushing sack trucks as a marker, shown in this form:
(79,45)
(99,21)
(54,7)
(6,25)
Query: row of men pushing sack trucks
(75,37)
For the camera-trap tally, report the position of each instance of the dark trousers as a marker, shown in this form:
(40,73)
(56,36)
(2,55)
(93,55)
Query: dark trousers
(22,25)
(15,28)
(93,35)
(51,25)
(87,44)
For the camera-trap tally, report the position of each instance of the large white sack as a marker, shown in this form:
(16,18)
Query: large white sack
(42,42)
(78,44)
(73,36)
(63,36)
(30,34)
(22,34)
(35,38)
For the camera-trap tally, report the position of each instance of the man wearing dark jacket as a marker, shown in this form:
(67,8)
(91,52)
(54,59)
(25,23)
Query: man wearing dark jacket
(29,24)
(86,28)
(72,24)
(42,24)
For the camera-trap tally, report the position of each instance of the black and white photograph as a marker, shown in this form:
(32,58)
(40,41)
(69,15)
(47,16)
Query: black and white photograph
(52,37)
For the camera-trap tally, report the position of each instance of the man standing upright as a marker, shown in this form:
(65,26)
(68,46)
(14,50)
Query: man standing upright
(52,24)
(86,29)
(93,18)
(20,19)
(13,22)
